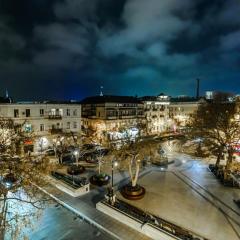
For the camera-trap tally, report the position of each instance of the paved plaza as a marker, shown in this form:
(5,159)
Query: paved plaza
(170,198)
(185,193)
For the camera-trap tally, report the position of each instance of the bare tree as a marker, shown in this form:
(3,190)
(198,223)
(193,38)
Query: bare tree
(19,176)
(99,155)
(215,122)
(132,154)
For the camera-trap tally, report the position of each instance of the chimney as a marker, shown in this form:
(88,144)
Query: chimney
(197,90)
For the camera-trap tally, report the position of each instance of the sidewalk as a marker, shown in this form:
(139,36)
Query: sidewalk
(85,208)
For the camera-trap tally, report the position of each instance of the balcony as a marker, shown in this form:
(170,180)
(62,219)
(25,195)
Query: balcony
(127,116)
(54,117)
(111,117)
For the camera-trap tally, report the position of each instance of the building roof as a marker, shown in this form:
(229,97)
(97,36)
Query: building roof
(5,100)
(110,99)
(148,98)
(184,99)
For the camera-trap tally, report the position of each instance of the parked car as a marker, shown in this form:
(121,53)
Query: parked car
(92,146)
(49,152)
(68,159)
(101,150)
(7,157)
(72,148)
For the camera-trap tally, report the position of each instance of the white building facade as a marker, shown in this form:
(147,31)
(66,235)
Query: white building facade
(45,119)
(156,112)
(180,110)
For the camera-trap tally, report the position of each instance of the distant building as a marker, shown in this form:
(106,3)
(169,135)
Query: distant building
(209,95)
(111,118)
(156,112)
(181,109)
(44,119)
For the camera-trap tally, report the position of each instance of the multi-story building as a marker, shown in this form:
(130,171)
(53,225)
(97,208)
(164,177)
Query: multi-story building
(44,119)
(112,117)
(156,111)
(181,109)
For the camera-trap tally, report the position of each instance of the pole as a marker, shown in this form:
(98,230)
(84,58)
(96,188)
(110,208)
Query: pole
(112,175)
(197,90)
(112,183)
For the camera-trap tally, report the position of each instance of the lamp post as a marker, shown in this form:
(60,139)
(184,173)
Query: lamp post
(114,164)
(76,154)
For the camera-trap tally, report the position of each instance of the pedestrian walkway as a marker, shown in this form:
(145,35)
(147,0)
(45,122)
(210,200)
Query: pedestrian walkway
(83,207)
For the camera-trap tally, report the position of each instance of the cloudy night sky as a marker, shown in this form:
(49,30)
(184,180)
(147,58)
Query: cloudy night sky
(67,49)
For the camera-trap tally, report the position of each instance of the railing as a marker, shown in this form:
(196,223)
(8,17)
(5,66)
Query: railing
(111,117)
(127,116)
(69,180)
(54,117)
(154,221)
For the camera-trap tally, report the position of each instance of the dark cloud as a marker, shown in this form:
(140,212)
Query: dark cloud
(69,48)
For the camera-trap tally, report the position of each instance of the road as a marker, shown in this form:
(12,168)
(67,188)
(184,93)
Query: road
(57,223)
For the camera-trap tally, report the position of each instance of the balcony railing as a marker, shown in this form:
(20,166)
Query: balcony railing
(54,117)
(112,117)
(127,116)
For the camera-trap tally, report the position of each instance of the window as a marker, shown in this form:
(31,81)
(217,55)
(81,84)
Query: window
(27,112)
(41,127)
(16,113)
(75,112)
(74,124)
(41,112)
(53,112)
(68,125)
(68,112)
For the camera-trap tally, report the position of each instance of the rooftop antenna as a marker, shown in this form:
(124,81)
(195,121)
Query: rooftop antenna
(101,91)
(197,90)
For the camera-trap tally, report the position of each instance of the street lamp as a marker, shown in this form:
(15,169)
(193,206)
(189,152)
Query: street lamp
(76,154)
(114,164)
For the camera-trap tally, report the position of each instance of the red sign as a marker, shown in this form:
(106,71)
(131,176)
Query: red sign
(28,142)
(236,149)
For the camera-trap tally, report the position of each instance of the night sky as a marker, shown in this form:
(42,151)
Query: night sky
(67,49)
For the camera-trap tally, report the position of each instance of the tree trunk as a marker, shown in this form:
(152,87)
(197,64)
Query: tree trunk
(134,182)
(219,156)
(61,158)
(99,166)
(3,218)
(229,164)
(229,160)
(134,177)
(130,171)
